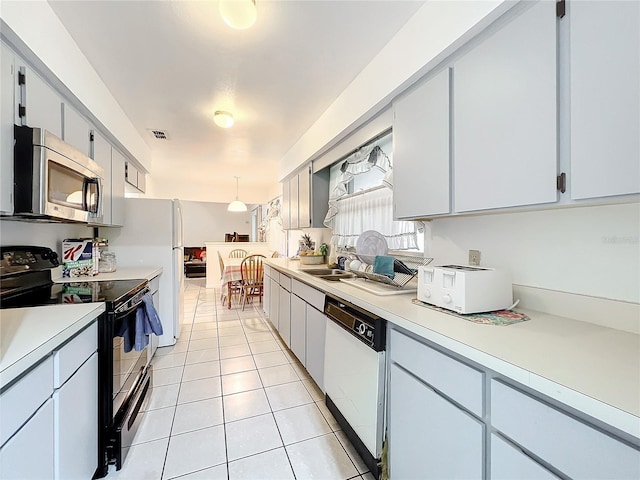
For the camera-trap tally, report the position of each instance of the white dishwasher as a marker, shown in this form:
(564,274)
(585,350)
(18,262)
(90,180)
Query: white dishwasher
(354,376)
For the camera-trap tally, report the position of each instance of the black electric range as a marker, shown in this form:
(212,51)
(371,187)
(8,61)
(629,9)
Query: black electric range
(25,281)
(124,373)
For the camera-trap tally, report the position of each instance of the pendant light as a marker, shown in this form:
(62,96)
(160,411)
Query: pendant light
(238,14)
(237,205)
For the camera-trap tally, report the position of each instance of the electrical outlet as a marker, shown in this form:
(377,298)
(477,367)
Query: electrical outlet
(474,257)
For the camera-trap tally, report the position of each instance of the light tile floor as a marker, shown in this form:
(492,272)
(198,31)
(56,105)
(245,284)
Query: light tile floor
(230,401)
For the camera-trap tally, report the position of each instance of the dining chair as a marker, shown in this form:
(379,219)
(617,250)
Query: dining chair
(232,287)
(275,254)
(237,253)
(252,272)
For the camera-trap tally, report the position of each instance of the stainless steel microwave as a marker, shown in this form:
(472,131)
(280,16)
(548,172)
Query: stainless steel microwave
(53,180)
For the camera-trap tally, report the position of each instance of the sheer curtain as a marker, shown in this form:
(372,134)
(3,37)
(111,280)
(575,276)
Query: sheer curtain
(371,210)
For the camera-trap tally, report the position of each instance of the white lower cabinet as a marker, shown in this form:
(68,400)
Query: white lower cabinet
(315,334)
(308,329)
(573,447)
(284,315)
(29,453)
(298,328)
(49,417)
(266,290)
(274,302)
(76,423)
(510,463)
(430,437)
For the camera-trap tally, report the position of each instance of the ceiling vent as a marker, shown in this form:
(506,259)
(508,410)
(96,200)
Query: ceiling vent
(159,134)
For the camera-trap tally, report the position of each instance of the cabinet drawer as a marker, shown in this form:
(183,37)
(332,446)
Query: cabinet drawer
(69,358)
(267,271)
(571,446)
(458,381)
(23,398)
(309,294)
(509,463)
(285,282)
(275,275)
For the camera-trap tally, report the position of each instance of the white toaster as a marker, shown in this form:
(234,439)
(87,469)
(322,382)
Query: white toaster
(465,289)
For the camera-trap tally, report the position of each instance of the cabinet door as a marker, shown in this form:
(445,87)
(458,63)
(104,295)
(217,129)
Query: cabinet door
(29,453)
(304,198)
(286,206)
(43,104)
(102,156)
(314,355)
(284,315)
(118,213)
(76,423)
(76,130)
(274,303)
(293,202)
(298,328)
(7,83)
(505,133)
(266,294)
(430,437)
(605,98)
(509,463)
(421,150)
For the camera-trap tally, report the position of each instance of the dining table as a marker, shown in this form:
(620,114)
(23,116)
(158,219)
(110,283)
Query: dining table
(230,274)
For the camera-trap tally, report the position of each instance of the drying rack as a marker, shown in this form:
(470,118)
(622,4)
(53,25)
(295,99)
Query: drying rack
(400,279)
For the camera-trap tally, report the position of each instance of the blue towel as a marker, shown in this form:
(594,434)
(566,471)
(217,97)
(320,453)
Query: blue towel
(383,265)
(135,333)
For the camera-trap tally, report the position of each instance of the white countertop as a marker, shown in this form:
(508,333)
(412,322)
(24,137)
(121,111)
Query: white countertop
(589,367)
(123,273)
(27,335)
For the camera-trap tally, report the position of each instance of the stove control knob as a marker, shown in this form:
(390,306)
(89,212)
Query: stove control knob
(362,328)
(447,298)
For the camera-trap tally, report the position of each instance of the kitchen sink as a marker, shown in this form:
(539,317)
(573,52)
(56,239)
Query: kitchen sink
(331,274)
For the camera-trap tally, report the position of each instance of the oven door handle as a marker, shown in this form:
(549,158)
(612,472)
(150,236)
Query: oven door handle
(124,313)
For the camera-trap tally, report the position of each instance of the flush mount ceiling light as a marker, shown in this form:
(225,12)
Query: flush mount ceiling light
(238,14)
(223,119)
(237,205)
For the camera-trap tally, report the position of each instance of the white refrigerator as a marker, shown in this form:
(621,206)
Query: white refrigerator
(152,237)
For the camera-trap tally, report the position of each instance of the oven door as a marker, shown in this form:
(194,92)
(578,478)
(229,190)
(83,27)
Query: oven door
(132,382)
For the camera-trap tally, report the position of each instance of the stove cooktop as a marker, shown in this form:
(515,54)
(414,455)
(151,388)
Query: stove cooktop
(112,292)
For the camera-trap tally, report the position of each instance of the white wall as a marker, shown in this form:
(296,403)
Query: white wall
(208,222)
(586,250)
(41,234)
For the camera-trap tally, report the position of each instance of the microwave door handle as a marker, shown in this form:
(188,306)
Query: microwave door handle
(92,186)
(98,211)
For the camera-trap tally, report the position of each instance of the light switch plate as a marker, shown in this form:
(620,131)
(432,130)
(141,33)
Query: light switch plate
(474,257)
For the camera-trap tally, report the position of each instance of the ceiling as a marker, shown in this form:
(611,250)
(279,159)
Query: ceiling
(171,64)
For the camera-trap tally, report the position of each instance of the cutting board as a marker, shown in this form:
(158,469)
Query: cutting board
(378,288)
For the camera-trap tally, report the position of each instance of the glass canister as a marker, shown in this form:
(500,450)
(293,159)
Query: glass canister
(107,262)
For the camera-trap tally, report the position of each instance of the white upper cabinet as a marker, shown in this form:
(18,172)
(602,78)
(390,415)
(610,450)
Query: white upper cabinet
(304,198)
(605,98)
(76,131)
(286,205)
(102,156)
(421,150)
(7,118)
(117,188)
(505,115)
(294,203)
(42,104)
